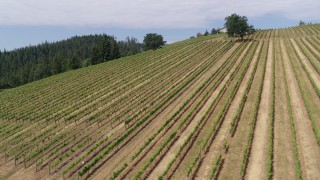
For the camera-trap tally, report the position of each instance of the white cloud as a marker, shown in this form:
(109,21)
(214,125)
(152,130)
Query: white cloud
(147,13)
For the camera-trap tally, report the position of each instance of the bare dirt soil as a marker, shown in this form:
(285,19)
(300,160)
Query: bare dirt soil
(232,164)
(314,74)
(171,153)
(284,163)
(308,148)
(125,153)
(204,170)
(257,161)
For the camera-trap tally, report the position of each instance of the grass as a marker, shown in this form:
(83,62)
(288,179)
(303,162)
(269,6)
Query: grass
(292,125)
(304,91)
(96,113)
(272,118)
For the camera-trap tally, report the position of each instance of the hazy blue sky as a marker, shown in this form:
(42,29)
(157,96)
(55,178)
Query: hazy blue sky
(29,22)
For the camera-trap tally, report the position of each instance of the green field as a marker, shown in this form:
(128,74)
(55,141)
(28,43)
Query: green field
(209,107)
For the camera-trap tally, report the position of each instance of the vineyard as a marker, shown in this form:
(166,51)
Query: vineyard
(203,108)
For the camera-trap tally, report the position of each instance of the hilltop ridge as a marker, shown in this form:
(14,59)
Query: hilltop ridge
(208,107)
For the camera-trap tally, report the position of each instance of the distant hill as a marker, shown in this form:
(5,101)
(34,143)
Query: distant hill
(32,63)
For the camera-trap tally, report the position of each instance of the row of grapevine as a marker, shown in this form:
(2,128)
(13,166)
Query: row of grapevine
(230,91)
(292,124)
(219,119)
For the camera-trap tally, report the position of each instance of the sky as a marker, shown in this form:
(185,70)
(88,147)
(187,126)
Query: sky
(29,22)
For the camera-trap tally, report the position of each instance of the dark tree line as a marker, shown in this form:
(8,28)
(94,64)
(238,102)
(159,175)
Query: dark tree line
(32,63)
(129,47)
(105,50)
(301,23)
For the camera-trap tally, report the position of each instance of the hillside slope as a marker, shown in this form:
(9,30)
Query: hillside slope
(201,108)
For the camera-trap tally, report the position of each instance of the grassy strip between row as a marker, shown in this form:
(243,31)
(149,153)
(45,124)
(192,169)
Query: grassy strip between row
(234,121)
(203,119)
(303,91)
(131,129)
(117,172)
(73,164)
(317,57)
(307,55)
(272,117)
(215,166)
(138,175)
(310,78)
(292,125)
(247,150)
(204,145)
